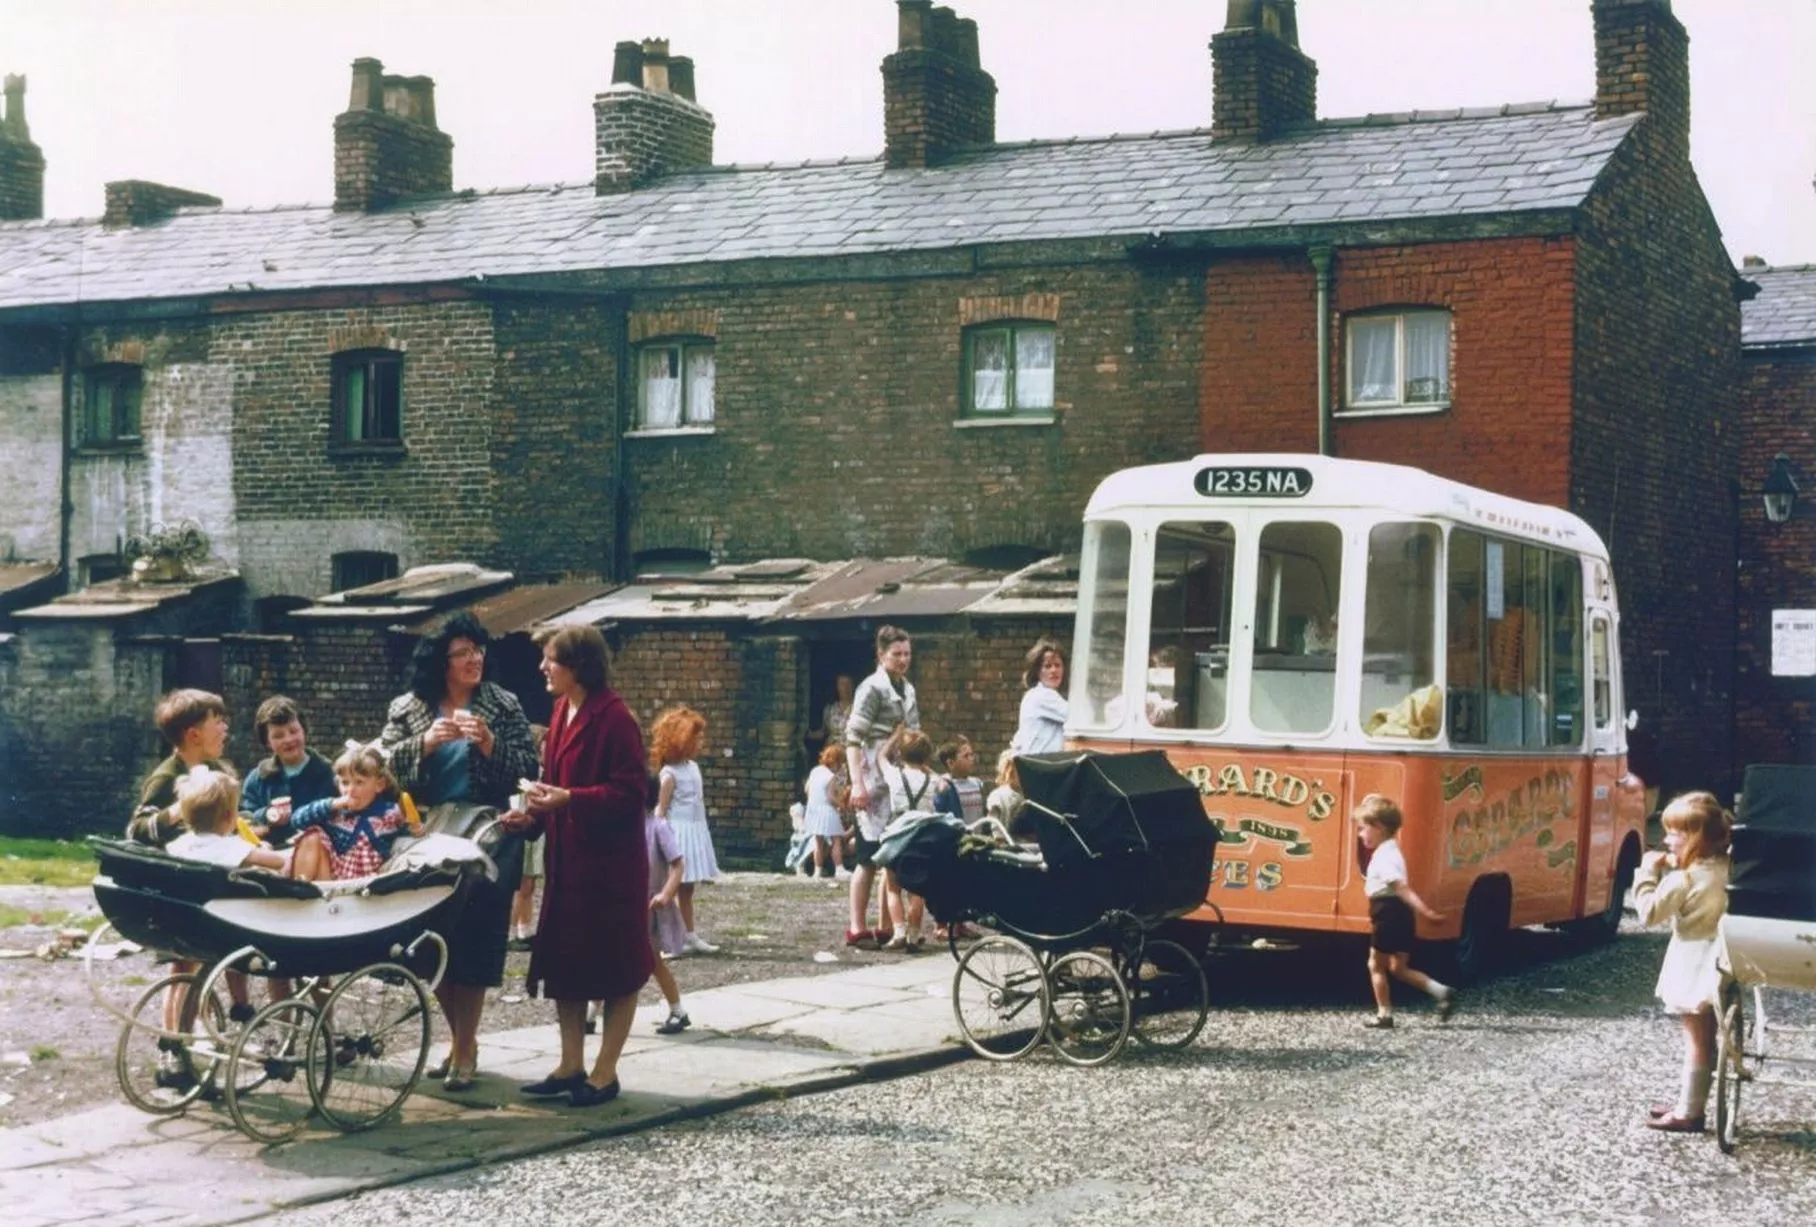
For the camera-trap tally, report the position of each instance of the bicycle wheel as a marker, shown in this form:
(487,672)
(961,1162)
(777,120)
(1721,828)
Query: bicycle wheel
(1730,1072)
(999,997)
(368,1051)
(267,1072)
(1088,1017)
(161,1070)
(1171,999)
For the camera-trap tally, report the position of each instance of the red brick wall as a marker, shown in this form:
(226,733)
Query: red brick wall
(1511,361)
(1775,717)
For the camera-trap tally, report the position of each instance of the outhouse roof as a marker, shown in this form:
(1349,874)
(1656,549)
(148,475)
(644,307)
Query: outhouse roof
(1783,313)
(1516,166)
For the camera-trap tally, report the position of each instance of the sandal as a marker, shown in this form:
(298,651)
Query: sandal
(459,1079)
(438,1072)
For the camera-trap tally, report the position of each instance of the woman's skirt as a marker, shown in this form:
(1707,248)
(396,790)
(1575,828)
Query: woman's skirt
(696,846)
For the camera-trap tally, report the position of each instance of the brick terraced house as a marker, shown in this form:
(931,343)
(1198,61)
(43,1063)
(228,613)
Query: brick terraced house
(1775,711)
(930,355)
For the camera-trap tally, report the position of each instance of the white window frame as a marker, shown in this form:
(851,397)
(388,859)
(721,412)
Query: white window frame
(697,413)
(1011,411)
(1401,402)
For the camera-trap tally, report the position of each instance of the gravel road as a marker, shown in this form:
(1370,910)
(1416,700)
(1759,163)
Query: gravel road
(1525,1108)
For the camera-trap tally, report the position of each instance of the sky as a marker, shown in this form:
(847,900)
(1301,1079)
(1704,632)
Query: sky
(236,98)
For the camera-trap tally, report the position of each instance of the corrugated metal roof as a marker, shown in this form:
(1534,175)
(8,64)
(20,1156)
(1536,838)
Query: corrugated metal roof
(434,584)
(717,595)
(1420,167)
(519,609)
(1783,313)
(1048,588)
(17,575)
(122,598)
(885,588)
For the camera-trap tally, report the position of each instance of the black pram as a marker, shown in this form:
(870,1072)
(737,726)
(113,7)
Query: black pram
(1122,845)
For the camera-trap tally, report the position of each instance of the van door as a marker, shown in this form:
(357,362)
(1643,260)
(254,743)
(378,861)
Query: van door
(1606,765)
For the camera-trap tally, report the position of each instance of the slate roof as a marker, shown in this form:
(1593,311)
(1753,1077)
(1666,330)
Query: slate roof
(1420,166)
(1783,313)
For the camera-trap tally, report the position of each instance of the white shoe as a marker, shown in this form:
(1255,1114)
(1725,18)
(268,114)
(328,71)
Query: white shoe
(841,874)
(700,945)
(897,942)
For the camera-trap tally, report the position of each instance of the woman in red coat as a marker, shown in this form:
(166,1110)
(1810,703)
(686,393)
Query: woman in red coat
(592,939)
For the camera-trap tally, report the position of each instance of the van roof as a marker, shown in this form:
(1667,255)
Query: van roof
(1338,483)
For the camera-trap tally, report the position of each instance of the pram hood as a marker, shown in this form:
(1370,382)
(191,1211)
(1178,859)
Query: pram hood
(1774,851)
(1089,805)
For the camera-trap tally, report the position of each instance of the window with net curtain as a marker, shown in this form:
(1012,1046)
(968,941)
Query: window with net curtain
(1009,370)
(1399,360)
(675,384)
(368,398)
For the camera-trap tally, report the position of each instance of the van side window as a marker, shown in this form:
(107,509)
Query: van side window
(1096,696)
(1189,626)
(1602,676)
(1515,625)
(1399,633)
(1293,688)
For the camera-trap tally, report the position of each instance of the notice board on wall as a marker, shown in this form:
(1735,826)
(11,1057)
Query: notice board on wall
(1794,643)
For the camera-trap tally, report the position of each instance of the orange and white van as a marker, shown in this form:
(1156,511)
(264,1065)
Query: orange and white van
(1297,632)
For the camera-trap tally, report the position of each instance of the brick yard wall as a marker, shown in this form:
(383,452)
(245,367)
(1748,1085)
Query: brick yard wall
(1654,449)
(836,406)
(75,714)
(1774,717)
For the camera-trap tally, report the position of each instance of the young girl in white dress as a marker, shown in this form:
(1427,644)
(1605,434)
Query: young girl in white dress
(823,820)
(1687,884)
(675,742)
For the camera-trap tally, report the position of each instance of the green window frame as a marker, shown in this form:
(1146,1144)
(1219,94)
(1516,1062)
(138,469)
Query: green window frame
(369,398)
(1009,369)
(111,399)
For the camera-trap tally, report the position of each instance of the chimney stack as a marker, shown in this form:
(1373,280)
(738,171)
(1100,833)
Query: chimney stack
(647,124)
(135,202)
(1261,83)
(1642,63)
(386,145)
(936,95)
(21,162)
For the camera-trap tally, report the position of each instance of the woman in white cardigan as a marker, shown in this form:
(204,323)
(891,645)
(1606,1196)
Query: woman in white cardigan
(1042,729)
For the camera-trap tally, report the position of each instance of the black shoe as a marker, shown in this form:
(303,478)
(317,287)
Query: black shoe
(676,1022)
(1380,1022)
(554,1086)
(1447,1005)
(586,1095)
(518,944)
(241,1012)
(180,1078)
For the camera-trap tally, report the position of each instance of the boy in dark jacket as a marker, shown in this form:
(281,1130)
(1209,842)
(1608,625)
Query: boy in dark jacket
(292,777)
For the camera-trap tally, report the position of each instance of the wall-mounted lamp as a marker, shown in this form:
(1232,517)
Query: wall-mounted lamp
(1780,490)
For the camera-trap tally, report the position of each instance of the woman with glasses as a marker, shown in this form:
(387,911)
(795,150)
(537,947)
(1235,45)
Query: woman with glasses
(459,741)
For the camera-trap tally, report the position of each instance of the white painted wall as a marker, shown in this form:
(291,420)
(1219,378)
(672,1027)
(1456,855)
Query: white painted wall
(31,445)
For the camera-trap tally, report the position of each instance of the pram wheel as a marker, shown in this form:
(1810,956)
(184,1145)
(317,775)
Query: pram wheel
(1170,997)
(999,997)
(368,1050)
(163,1071)
(268,1092)
(1730,1068)
(1088,1018)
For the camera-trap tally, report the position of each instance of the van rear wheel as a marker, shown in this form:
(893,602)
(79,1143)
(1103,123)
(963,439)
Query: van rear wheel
(1479,948)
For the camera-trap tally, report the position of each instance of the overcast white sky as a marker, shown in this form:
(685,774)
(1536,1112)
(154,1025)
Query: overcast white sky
(237,97)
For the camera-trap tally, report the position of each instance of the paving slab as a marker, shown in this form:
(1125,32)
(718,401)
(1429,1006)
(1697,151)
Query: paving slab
(750,1043)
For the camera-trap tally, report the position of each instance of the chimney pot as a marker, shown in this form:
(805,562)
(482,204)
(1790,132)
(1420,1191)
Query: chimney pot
(912,18)
(681,76)
(627,64)
(368,86)
(655,65)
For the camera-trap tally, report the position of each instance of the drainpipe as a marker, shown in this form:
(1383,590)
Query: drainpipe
(65,504)
(1320,258)
(625,384)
